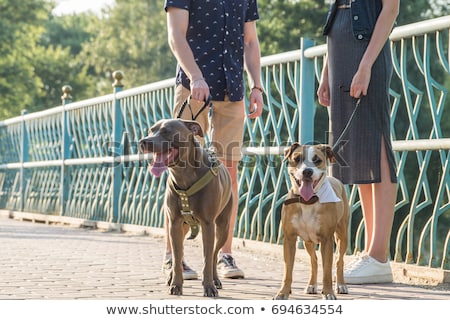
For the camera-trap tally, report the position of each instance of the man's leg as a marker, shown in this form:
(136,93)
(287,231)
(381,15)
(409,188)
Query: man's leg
(228,127)
(232,167)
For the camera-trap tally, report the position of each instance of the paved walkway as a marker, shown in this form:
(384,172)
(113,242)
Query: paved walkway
(50,261)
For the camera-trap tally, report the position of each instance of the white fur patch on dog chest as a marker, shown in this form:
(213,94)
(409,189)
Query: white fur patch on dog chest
(307,223)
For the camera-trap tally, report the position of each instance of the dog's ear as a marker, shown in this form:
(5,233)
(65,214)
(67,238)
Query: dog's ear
(288,151)
(195,127)
(329,152)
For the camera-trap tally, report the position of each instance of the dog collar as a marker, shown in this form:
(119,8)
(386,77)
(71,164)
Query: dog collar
(296,198)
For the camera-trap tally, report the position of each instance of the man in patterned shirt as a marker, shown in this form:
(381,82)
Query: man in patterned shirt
(213,42)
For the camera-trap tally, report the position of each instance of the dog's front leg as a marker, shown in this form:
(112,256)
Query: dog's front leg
(221,228)
(289,250)
(313,267)
(342,242)
(208,235)
(176,235)
(326,248)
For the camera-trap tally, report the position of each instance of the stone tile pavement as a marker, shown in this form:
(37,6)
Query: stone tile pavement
(62,261)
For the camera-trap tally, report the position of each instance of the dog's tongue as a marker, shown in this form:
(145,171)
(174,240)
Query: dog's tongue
(306,190)
(158,165)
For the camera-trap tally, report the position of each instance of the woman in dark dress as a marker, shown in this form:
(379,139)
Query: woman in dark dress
(358,65)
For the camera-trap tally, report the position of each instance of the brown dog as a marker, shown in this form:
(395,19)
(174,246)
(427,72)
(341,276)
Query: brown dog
(198,188)
(317,210)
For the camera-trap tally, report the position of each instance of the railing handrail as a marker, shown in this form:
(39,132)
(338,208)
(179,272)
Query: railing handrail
(420,28)
(146,88)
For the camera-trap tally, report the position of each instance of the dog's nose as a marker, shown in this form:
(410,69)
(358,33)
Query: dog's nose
(307,173)
(143,145)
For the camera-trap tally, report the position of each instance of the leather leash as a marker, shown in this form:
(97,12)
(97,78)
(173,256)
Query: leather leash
(186,102)
(347,126)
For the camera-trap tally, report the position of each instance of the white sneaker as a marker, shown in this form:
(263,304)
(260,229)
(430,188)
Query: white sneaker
(227,268)
(358,256)
(366,269)
(188,273)
(348,266)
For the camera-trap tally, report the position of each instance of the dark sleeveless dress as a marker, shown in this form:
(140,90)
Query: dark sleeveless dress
(358,155)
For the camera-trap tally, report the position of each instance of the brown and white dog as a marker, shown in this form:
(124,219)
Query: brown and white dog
(317,210)
(199,187)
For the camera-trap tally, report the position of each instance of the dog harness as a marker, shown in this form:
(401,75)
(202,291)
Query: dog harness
(184,195)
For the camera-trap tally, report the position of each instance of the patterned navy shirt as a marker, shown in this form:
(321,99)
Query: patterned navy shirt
(216,36)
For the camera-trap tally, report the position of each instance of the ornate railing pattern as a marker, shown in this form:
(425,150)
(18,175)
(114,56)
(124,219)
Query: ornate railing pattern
(81,159)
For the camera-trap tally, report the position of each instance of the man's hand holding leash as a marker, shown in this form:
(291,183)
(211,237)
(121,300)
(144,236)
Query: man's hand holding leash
(256,106)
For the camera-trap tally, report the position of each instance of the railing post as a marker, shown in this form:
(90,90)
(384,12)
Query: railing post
(24,158)
(117,147)
(307,81)
(66,98)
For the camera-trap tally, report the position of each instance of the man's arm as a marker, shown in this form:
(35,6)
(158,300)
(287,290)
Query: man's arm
(177,24)
(252,62)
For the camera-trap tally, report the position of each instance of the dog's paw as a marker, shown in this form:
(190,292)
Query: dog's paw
(341,288)
(210,291)
(311,289)
(281,296)
(329,296)
(217,283)
(176,290)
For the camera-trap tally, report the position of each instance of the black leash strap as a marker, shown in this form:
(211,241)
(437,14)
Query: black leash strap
(187,214)
(347,127)
(207,103)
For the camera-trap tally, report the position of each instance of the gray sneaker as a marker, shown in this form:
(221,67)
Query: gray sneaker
(226,268)
(188,273)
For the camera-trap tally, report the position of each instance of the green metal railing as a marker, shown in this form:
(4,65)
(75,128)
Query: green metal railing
(81,159)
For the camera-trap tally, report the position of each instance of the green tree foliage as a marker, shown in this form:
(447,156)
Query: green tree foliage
(283,22)
(418,10)
(38,56)
(69,31)
(58,61)
(132,37)
(56,67)
(20,26)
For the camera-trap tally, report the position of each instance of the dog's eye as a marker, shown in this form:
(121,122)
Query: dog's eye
(297,159)
(316,160)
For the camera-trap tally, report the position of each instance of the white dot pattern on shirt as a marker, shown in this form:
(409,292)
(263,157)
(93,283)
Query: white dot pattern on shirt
(216,37)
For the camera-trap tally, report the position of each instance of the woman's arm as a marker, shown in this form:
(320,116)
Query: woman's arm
(381,32)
